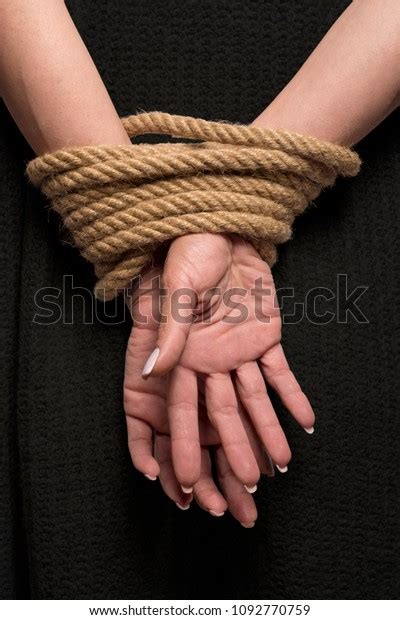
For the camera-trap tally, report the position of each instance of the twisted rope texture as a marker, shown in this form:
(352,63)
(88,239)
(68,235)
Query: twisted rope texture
(121,202)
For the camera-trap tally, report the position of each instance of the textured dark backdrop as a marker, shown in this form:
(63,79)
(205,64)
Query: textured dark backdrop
(75,520)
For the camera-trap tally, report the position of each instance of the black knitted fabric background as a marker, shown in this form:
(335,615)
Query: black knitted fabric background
(76,521)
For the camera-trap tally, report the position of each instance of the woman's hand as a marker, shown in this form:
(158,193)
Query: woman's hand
(146,412)
(221,321)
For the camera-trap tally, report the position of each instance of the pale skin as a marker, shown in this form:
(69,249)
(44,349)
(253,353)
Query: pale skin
(348,85)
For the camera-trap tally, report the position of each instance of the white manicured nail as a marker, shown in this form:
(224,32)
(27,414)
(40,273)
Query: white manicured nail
(252,489)
(248,525)
(151,360)
(150,477)
(283,470)
(216,514)
(182,507)
(187,489)
(309,430)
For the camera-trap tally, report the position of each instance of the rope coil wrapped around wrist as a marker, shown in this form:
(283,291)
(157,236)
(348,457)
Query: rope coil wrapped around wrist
(121,202)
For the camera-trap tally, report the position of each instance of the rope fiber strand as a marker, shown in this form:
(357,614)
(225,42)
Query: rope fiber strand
(121,202)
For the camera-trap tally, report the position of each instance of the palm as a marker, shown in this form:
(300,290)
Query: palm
(242,320)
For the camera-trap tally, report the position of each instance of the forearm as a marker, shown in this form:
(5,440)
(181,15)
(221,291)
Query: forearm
(351,81)
(49,81)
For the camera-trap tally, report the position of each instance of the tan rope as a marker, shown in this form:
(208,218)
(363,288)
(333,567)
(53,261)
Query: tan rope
(121,202)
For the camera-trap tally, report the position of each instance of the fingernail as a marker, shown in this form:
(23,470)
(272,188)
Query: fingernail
(182,507)
(150,477)
(187,489)
(151,360)
(248,525)
(216,514)
(283,470)
(252,489)
(309,430)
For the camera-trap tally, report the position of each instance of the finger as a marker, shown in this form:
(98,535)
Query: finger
(208,434)
(179,302)
(143,300)
(140,443)
(263,459)
(277,373)
(169,483)
(253,394)
(145,400)
(184,426)
(222,409)
(206,492)
(240,503)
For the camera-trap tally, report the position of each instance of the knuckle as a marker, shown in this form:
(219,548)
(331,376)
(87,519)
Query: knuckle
(268,423)
(182,406)
(255,395)
(277,373)
(225,411)
(185,441)
(133,400)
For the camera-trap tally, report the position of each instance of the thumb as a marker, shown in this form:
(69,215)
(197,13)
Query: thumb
(178,303)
